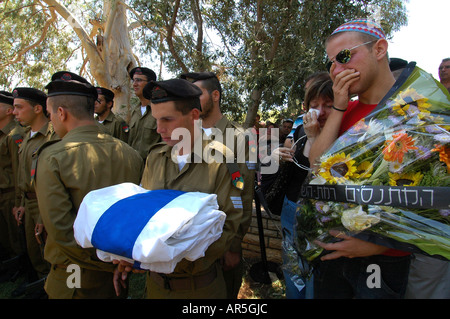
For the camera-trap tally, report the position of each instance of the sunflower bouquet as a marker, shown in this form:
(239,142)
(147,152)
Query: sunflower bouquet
(387,179)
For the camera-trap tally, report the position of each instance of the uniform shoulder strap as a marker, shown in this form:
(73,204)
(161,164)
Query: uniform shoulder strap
(35,157)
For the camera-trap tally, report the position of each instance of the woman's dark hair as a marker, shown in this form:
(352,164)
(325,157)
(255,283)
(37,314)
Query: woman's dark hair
(320,87)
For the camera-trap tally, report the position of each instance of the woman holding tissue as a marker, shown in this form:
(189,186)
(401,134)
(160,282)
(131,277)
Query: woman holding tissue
(295,168)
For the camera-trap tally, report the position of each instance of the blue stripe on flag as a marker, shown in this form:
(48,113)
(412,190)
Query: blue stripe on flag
(120,225)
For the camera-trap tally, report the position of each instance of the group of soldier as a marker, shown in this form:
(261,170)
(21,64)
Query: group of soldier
(53,151)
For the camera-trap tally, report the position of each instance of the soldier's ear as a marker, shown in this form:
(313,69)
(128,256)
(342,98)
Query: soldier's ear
(38,108)
(62,113)
(215,95)
(195,113)
(9,110)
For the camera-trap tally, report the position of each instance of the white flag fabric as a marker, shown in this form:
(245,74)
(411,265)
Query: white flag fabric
(152,229)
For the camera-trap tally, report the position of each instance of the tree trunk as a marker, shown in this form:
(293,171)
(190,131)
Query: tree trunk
(118,57)
(256,94)
(255,97)
(110,57)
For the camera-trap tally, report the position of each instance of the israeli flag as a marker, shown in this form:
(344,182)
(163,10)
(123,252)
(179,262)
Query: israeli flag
(152,229)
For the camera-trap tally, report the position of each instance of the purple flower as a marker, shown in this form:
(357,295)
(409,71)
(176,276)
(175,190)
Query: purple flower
(444,212)
(422,152)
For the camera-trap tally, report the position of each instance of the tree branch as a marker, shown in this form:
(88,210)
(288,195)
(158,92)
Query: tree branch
(195,6)
(88,44)
(169,38)
(37,42)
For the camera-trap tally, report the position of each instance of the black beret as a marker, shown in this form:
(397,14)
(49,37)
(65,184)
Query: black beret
(198,76)
(67,84)
(397,64)
(172,90)
(68,76)
(109,95)
(6,97)
(151,76)
(30,94)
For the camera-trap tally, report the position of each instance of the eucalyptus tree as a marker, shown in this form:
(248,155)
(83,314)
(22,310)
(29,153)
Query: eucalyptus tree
(45,34)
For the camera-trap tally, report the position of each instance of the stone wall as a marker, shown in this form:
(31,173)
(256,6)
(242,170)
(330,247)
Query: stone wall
(272,237)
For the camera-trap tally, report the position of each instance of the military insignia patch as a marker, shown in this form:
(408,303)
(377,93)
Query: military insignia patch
(237,180)
(237,201)
(17,138)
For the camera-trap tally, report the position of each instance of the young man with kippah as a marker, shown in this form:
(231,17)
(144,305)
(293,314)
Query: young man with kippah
(142,135)
(30,109)
(362,70)
(66,170)
(177,165)
(110,122)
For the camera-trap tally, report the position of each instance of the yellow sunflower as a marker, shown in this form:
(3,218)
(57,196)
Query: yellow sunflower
(338,168)
(396,148)
(410,97)
(406,179)
(364,170)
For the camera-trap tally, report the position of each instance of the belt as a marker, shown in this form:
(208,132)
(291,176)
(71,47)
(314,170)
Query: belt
(7,190)
(30,195)
(184,283)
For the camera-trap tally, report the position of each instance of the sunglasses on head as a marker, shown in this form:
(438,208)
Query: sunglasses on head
(344,56)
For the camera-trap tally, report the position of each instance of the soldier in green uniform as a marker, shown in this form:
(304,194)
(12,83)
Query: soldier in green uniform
(84,159)
(213,120)
(30,110)
(175,165)
(11,137)
(112,123)
(143,133)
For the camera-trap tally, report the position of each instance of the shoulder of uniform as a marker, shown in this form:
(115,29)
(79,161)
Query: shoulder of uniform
(50,129)
(45,145)
(35,157)
(17,134)
(221,148)
(160,147)
(17,139)
(237,126)
(225,123)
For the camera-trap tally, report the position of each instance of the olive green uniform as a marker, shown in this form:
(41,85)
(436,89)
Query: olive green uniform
(28,195)
(205,273)
(233,277)
(11,137)
(115,126)
(84,160)
(142,135)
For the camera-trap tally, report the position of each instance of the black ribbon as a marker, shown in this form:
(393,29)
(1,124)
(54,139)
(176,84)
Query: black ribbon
(414,197)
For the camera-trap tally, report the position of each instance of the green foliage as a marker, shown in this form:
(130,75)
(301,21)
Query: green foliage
(23,25)
(266,46)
